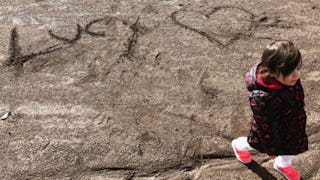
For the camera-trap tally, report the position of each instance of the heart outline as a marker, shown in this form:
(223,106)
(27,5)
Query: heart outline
(212,38)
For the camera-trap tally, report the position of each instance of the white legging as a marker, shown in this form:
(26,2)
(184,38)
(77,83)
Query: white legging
(281,161)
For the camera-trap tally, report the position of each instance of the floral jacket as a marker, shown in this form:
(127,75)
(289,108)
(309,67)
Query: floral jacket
(278,124)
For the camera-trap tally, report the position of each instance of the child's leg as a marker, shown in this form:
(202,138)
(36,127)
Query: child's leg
(242,144)
(283,160)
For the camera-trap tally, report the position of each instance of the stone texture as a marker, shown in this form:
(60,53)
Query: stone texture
(142,89)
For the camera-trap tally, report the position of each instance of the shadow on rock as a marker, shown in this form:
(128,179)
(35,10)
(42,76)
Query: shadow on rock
(260,171)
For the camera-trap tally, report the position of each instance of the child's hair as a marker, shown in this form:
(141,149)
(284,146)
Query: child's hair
(281,56)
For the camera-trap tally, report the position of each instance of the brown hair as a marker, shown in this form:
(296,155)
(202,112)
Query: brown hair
(281,56)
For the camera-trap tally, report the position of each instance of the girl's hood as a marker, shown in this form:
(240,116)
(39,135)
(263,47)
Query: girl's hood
(254,80)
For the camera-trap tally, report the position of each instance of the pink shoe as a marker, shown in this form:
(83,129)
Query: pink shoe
(243,156)
(290,173)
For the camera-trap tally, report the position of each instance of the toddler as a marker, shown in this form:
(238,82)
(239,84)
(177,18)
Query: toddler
(278,123)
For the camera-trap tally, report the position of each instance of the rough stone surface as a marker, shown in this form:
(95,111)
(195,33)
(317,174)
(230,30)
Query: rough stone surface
(142,89)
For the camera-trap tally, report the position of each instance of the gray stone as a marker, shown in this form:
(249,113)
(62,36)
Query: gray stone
(142,89)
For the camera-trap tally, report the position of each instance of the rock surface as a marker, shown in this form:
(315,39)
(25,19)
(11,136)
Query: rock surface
(142,89)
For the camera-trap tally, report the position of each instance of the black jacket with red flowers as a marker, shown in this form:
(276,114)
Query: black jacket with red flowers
(278,124)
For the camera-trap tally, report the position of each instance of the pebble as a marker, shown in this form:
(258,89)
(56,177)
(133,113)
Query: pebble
(5,115)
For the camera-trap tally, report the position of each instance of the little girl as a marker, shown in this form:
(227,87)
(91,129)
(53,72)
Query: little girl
(278,124)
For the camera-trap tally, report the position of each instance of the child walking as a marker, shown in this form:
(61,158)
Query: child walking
(278,123)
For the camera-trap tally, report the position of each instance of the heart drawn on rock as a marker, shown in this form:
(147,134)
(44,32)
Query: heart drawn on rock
(222,25)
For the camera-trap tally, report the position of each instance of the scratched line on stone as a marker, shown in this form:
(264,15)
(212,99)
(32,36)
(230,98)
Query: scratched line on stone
(214,37)
(17,59)
(253,20)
